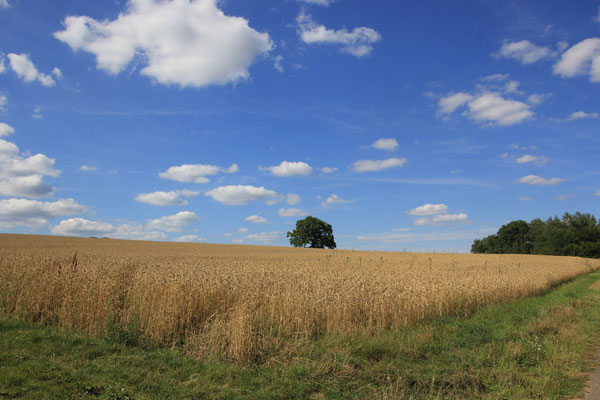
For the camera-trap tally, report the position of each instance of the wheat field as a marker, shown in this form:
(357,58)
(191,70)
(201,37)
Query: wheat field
(245,303)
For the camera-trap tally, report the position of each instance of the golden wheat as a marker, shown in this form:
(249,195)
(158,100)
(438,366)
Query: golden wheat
(245,302)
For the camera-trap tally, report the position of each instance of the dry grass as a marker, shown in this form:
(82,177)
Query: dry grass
(247,302)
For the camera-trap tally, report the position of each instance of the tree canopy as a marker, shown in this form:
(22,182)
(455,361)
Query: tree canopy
(572,235)
(312,232)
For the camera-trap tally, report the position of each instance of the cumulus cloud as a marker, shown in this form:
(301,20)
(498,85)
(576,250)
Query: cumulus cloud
(287,168)
(583,115)
(333,199)
(173,223)
(450,103)
(487,107)
(26,70)
(264,237)
(428,209)
(23,176)
(528,158)
(293,199)
(166,198)
(442,219)
(196,173)
(190,239)
(291,212)
(385,144)
(524,51)
(84,227)
(87,168)
(6,129)
(328,170)
(182,42)
(239,195)
(358,43)
(378,165)
(537,180)
(3,102)
(537,99)
(581,59)
(256,219)
(491,107)
(35,214)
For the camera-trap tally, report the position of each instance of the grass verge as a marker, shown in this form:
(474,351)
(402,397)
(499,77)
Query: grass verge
(536,348)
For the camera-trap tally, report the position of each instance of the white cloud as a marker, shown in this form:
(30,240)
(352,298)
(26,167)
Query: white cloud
(378,165)
(3,102)
(293,199)
(233,168)
(184,43)
(134,231)
(524,51)
(265,237)
(525,198)
(172,223)
(333,199)
(190,239)
(428,209)
(23,176)
(82,227)
(166,198)
(4,4)
(386,144)
(277,63)
(537,180)
(256,219)
(442,219)
(488,107)
(35,214)
(240,195)
(358,43)
(6,129)
(2,66)
(57,73)
(583,115)
(196,173)
(491,107)
(287,168)
(450,103)
(87,168)
(581,59)
(325,3)
(37,112)
(537,99)
(328,170)
(597,192)
(494,78)
(291,212)
(24,68)
(528,158)
(243,231)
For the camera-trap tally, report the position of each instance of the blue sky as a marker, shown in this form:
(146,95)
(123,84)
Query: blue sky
(406,125)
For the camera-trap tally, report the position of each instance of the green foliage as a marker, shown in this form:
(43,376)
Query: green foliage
(312,232)
(572,235)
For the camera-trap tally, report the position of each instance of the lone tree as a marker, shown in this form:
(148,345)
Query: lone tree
(312,232)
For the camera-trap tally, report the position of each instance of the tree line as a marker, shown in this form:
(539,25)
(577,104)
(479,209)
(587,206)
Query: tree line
(572,235)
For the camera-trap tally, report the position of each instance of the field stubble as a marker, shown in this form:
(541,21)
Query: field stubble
(250,303)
